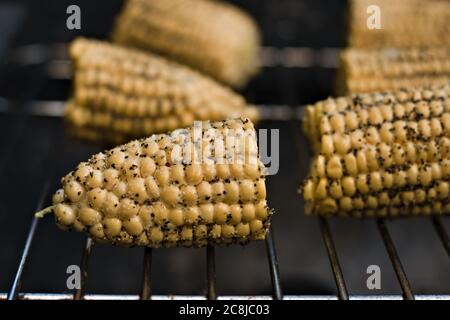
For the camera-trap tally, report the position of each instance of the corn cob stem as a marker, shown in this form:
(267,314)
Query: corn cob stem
(43,212)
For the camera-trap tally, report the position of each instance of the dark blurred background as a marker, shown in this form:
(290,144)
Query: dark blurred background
(34,151)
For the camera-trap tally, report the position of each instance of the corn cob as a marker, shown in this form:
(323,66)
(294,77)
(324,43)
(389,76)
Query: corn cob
(380,154)
(153,192)
(121,94)
(404,23)
(371,70)
(213,37)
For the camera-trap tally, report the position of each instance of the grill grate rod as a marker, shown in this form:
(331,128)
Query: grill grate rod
(79,293)
(273,266)
(334,261)
(443,235)
(146,292)
(12,295)
(211,272)
(395,260)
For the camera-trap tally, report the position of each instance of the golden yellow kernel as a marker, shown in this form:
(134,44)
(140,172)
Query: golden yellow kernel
(383,199)
(342,143)
(223,171)
(319,166)
(334,167)
(345,204)
(351,165)
(133,226)
(136,189)
(94,179)
(361,161)
(110,177)
(222,213)
(385,133)
(248,212)
(336,189)
(337,123)
(357,139)
(74,191)
(97,231)
(162,175)
(156,235)
(372,158)
(152,187)
(160,212)
(120,189)
(327,206)
(321,189)
(443,189)
(65,214)
(327,145)
(176,216)
(260,189)
(147,167)
(58,196)
(96,198)
(207,213)
(187,233)
(351,120)
(400,178)
(228,231)
(127,209)
(372,202)
(237,171)
(204,191)
(78,226)
(232,192)
(194,174)
(201,231)
(246,190)
(242,229)
(425,176)
(372,135)
(89,216)
(361,184)
(171,195)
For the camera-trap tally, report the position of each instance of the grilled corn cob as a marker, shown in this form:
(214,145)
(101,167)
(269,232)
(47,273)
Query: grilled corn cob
(121,94)
(371,70)
(404,23)
(154,192)
(380,154)
(211,36)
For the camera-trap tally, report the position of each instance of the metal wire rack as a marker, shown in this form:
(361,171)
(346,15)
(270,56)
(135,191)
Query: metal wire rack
(293,115)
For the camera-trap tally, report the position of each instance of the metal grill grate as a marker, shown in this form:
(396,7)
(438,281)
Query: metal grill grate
(293,116)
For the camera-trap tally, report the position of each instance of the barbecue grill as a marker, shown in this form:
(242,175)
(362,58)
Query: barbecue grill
(35,152)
